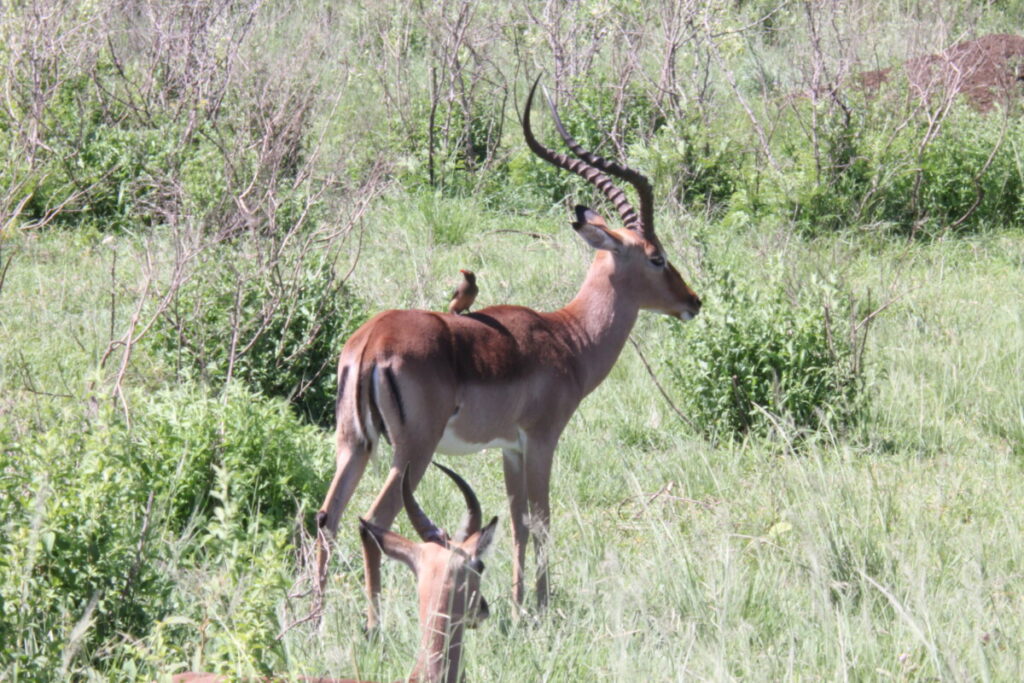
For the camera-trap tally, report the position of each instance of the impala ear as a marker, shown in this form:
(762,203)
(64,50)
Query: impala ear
(394,546)
(591,227)
(484,538)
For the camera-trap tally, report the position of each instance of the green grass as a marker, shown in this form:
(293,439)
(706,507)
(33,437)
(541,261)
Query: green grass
(889,552)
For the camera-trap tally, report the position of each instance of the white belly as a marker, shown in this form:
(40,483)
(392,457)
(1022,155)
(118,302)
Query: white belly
(452,444)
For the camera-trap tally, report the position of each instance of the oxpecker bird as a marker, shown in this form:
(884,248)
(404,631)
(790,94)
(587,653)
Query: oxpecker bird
(464,294)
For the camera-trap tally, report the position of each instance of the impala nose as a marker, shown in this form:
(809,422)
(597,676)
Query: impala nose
(691,310)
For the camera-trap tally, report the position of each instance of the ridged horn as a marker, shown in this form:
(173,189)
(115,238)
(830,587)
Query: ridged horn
(427,530)
(474,517)
(631,176)
(579,166)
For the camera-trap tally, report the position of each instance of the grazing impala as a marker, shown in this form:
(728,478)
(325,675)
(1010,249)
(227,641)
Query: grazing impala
(447,573)
(503,377)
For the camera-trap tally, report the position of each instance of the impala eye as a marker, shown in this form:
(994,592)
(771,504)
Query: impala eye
(658,261)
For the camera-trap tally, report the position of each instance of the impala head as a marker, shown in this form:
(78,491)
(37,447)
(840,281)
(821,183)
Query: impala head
(638,258)
(447,568)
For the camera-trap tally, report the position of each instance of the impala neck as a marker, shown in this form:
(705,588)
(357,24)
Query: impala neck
(440,653)
(600,318)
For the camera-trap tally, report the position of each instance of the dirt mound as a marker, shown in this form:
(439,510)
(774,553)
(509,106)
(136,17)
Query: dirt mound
(986,70)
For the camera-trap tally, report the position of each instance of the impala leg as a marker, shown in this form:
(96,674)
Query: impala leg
(351,464)
(382,513)
(538,482)
(515,488)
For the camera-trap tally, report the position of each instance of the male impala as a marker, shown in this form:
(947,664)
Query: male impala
(503,377)
(447,573)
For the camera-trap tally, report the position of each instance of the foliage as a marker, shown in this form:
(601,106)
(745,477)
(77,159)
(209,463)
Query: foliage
(867,165)
(824,188)
(969,175)
(94,170)
(243,140)
(277,325)
(100,520)
(754,362)
(152,123)
(698,166)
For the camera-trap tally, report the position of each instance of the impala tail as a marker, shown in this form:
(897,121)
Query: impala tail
(358,415)
(362,386)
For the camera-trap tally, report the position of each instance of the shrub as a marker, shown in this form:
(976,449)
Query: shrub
(255,439)
(822,171)
(99,519)
(969,175)
(94,169)
(700,168)
(754,362)
(276,325)
(872,166)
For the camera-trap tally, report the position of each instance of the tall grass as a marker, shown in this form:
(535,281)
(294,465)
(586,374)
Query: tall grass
(891,551)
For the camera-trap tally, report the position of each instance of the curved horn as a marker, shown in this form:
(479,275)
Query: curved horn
(579,166)
(634,178)
(427,530)
(474,518)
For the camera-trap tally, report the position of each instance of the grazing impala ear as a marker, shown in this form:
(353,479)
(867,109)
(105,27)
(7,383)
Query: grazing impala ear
(394,546)
(591,227)
(483,538)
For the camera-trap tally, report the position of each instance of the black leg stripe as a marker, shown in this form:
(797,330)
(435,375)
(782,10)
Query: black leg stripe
(389,374)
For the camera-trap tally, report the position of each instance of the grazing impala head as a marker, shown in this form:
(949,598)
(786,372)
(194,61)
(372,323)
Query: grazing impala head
(447,570)
(505,377)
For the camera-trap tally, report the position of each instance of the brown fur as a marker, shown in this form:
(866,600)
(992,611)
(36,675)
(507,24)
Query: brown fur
(503,372)
(447,574)
(504,376)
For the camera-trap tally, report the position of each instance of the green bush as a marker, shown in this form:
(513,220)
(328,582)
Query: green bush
(97,164)
(278,327)
(699,168)
(99,519)
(96,152)
(257,440)
(93,168)
(819,179)
(950,184)
(873,167)
(753,362)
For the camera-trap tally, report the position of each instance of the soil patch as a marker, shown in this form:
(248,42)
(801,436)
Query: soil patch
(987,70)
